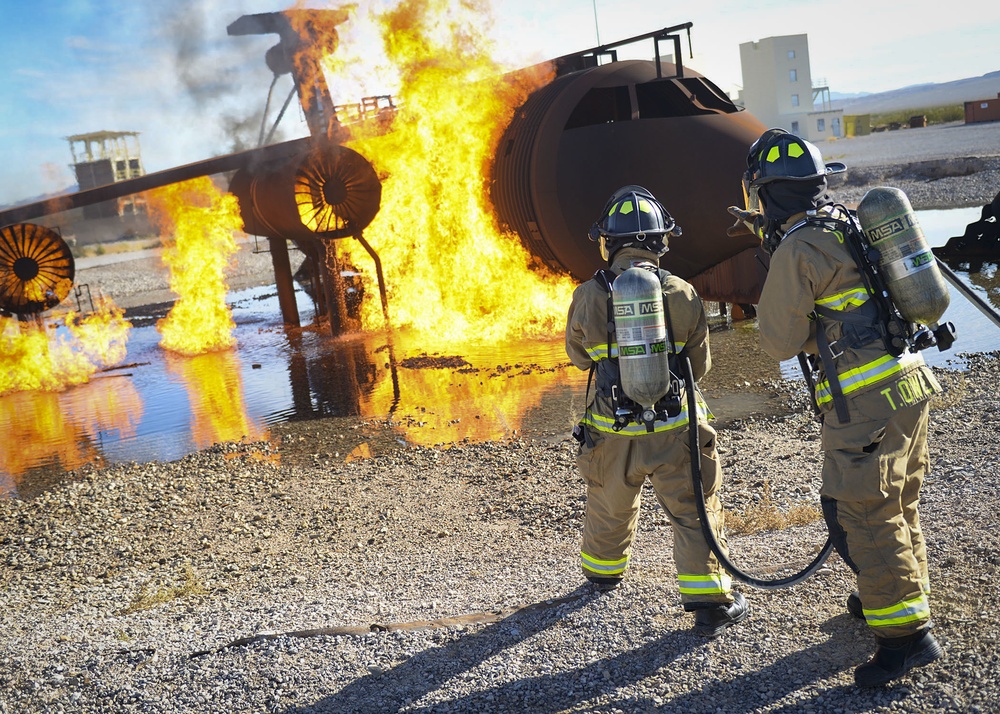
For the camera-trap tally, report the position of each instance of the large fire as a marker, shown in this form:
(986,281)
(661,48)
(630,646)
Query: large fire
(201,222)
(36,356)
(451,274)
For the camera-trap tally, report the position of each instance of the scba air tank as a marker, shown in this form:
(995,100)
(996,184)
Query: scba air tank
(641,334)
(910,269)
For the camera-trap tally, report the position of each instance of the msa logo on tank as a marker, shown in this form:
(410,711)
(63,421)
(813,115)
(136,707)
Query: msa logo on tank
(641,307)
(641,334)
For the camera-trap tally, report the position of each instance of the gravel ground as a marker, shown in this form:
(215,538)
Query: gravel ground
(278,577)
(952,165)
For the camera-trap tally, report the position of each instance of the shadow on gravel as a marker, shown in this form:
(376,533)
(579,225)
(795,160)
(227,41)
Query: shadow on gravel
(849,645)
(432,669)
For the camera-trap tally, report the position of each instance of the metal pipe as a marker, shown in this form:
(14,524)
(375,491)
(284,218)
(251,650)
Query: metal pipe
(283,280)
(218,165)
(969,294)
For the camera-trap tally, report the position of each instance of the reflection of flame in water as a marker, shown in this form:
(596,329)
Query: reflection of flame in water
(449,271)
(202,220)
(442,398)
(64,428)
(33,356)
(215,390)
(445,405)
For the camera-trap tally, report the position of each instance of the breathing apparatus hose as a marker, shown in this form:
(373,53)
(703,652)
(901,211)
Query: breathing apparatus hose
(699,493)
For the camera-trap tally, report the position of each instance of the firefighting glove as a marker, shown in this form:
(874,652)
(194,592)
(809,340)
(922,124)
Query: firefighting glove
(747,223)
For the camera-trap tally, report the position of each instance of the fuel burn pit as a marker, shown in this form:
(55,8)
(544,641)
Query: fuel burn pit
(314,397)
(321,399)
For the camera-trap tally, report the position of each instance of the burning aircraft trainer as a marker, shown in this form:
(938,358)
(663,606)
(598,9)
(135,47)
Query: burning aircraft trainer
(597,123)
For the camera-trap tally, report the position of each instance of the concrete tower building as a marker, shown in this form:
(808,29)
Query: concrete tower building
(779,90)
(105,157)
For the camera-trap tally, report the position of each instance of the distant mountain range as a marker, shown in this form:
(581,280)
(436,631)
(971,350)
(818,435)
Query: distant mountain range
(920,96)
(42,197)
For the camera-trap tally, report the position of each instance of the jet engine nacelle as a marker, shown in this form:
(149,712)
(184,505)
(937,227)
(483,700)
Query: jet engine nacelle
(328,192)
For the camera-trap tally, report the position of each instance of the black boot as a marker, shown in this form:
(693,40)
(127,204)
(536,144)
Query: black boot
(712,618)
(854,605)
(604,585)
(895,656)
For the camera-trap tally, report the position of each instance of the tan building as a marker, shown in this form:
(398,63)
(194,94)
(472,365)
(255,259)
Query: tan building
(779,90)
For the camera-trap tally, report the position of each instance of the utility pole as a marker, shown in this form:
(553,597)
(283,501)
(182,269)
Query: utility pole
(597,27)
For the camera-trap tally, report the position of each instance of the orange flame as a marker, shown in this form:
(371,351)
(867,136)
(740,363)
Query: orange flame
(203,221)
(215,390)
(450,271)
(35,356)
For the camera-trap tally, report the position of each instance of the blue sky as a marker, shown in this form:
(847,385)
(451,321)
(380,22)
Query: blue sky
(167,68)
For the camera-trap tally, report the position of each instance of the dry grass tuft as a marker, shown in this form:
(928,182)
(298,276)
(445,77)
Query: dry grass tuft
(765,516)
(148,598)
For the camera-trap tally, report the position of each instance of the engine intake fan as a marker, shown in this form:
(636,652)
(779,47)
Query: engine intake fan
(36,269)
(329,192)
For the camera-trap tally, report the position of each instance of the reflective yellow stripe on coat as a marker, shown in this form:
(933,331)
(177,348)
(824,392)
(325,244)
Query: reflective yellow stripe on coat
(849,299)
(603,423)
(599,352)
(858,377)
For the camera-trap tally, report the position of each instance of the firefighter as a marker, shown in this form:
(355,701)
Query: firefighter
(873,404)
(615,458)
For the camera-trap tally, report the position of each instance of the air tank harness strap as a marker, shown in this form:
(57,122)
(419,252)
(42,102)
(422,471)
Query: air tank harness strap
(606,277)
(860,328)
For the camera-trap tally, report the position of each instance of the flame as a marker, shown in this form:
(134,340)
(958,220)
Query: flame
(450,272)
(63,428)
(215,391)
(203,221)
(50,358)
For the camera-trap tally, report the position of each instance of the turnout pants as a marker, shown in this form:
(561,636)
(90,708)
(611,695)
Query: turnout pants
(615,469)
(872,474)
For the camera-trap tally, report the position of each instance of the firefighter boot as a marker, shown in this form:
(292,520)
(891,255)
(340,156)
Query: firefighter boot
(604,585)
(895,656)
(712,618)
(854,605)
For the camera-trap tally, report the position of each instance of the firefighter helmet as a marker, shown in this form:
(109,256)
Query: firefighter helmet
(780,156)
(633,217)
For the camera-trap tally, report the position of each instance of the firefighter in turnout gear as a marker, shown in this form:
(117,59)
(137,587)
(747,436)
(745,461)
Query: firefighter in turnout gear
(619,447)
(872,398)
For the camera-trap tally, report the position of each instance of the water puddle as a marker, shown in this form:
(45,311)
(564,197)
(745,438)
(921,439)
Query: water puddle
(160,406)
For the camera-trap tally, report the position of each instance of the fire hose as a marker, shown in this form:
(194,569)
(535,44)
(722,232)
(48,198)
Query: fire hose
(699,493)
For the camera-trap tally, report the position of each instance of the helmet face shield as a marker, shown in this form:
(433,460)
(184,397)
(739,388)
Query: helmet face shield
(751,194)
(603,242)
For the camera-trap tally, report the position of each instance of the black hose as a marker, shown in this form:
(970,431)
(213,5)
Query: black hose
(699,493)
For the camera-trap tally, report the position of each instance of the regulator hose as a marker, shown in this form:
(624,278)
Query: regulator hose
(699,493)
